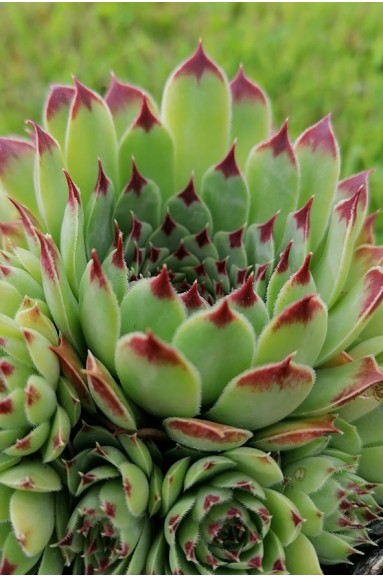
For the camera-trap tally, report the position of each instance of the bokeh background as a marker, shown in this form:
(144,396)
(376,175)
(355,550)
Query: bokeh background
(311,58)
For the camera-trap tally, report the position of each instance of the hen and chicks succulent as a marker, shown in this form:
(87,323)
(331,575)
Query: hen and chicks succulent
(191,337)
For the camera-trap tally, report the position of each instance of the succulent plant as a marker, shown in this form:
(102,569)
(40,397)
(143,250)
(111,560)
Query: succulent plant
(201,292)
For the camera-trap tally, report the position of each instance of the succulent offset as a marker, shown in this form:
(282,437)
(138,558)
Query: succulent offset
(191,337)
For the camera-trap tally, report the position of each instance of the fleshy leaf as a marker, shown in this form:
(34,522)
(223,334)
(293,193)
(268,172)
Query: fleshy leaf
(31,476)
(171,387)
(16,171)
(56,111)
(205,435)
(300,327)
(196,109)
(25,513)
(220,343)
(248,401)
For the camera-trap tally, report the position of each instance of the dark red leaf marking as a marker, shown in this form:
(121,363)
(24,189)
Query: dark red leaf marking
(260,274)
(213,529)
(6,406)
(222,315)
(245,296)
(146,119)
(242,89)
(7,567)
(280,144)
(279,565)
(73,192)
(206,430)
(302,311)
(221,266)
(173,523)
(181,252)
(59,97)
(229,166)
(302,218)
(283,263)
(168,225)
(136,229)
(282,374)
(189,550)
(137,181)
(266,229)
(24,443)
(154,350)
(235,238)
(192,298)
(110,509)
(44,142)
(197,65)
(303,276)
(255,562)
(202,238)
(96,273)
(210,501)
(372,293)
(154,254)
(121,95)
(103,182)
(367,375)
(296,518)
(118,260)
(189,195)
(346,210)
(87,478)
(83,97)
(161,286)
(319,137)
(12,149)
(6,368)
(102,389)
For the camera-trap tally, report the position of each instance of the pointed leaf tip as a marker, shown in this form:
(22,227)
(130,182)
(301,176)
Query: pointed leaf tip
(235,238)
(73,192)
(302,217)
(302,311)
(153,349)
(266,230)
(136,182)
(161,286)
(146,119)
(245,296)
(280,144)
(83,97)
(320,136)
(189,195)
(103,182)
(242,88)
(12,149)
(120,95)
(44,142)
(229,166)
(192,299)
(302,276)
(222,314)
(60,96)
(347,209)
(283,263)
(198,64)
(96,272)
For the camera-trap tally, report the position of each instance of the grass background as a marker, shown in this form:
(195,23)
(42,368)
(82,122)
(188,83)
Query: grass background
(311,59)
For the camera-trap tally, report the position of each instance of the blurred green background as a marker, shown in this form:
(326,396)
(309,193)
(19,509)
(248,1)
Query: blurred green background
(311,58)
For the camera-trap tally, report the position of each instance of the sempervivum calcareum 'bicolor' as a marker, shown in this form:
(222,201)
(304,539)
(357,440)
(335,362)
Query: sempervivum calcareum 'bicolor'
(201,292)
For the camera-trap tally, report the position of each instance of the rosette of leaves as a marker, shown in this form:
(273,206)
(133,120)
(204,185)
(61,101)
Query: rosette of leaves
(209,289)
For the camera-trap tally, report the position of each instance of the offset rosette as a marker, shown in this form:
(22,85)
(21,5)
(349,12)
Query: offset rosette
(326,485)
(31,497)
(220,514)
(108,530)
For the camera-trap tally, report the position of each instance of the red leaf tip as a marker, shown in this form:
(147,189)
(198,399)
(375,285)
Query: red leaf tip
(302,217)
(121,95)
(96,272)
(283,262)
(320,137)
(229,166)
(302,276)
(245,296)
(154,350)
(242,89)
(347,209)
(12,149)
(279,144)
(191,298)
(146,119)
(73,191)
(222,314)
(266,229)
(136,182)
(198,64)
(44,142)
(161,286)
(103,182)
(59,97)
(189,195)
(83,97)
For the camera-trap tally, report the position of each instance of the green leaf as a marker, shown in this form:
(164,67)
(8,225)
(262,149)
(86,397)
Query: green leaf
(31,476)
(25,512)
(205,435)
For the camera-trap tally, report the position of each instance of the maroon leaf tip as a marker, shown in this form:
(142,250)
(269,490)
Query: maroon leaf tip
(260,274)
(59,97)
(136,182)
(118,260)
(44,142)
(346,209)
(280,144)
(242,88)
(373,292)
(136,228)
(235,238)
(103,182)
(146,119)
(83,97)
(320,137)
(197,65)
(245,296)
(283,263)
(351,185)
(154,350)
(229,166)
(161,286)
(202,238)
(12,149)
(168,224)
(266,229)
(222,315)
(49,255)
(301,311)
(96,272)
(302,218)
(28,220)
(189,195)
(192,298)
(73,191)
(222,266)
(121,95)
(181,252)
(302,276)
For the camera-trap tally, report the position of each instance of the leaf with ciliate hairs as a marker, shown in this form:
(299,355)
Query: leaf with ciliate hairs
(205,435)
